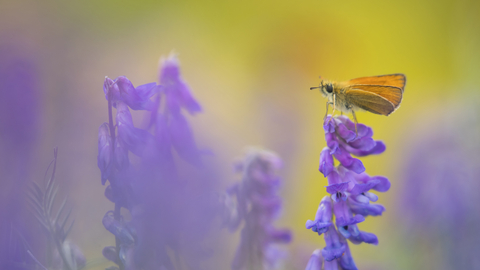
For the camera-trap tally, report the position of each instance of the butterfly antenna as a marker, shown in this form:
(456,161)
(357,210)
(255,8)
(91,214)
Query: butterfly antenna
(317,87)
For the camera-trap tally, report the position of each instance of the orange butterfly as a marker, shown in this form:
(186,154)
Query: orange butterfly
(377,94)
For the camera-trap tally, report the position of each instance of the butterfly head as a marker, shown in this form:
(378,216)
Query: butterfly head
(326,88)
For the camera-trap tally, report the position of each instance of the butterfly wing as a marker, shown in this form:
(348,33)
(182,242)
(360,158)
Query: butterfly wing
(397,80)
(391,93)
(369,101)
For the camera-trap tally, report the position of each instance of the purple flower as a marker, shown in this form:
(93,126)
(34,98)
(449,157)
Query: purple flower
(366,209)
(258,205)
(176,89)
(326,162)
(350,188)
(21,94)
(134,139)
(439,201)
(344,217)
(171,212)
(122,89)
(364,237)
(346,261)
(323,217)
(334,249)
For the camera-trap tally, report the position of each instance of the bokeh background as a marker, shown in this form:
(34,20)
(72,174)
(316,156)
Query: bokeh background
(250,64)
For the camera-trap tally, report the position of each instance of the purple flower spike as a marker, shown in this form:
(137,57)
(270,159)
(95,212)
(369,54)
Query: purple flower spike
(316,261)
(177,91)
(334,248)
(171,204)
(323,217)
(326,162)
(364,237)
(258,205)
(349,187)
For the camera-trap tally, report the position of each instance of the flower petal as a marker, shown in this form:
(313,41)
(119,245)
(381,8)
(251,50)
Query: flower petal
(326,162)
(182,139)
(316,261)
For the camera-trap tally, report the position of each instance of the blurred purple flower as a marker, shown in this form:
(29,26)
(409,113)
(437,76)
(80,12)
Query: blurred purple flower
(439,201)
(349,187)
(170,212)
(122,89)
(20,100)
(258,205)
(176,90)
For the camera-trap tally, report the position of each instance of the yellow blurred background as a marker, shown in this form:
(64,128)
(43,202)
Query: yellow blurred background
(250,64)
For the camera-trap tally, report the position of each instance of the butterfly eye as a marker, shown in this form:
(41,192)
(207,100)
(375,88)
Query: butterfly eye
(329,88)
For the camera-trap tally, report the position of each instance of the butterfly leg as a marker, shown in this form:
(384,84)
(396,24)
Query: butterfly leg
(333,111)
(356,122)
(326,112)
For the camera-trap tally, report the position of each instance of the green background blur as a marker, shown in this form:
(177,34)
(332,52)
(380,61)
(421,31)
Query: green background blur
(250,64)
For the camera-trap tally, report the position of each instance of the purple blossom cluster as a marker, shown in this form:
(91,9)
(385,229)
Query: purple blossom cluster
(258,205)
(20,114)
(439,198)
(350,193)
(164,189)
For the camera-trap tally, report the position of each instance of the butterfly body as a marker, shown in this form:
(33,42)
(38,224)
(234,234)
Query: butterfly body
(378,94)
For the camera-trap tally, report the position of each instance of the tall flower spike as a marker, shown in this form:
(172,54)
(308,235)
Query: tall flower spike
(350,189)
(171,213)
(258,205)
(439,199)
